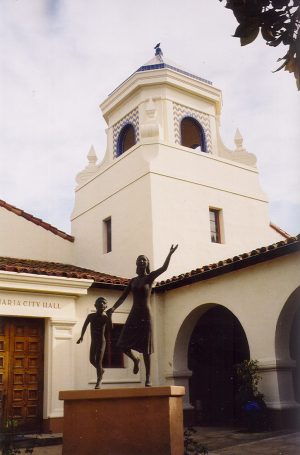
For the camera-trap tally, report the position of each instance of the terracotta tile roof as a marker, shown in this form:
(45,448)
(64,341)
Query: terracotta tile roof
(280,231)
(266,253)
(102,280)
(36,221)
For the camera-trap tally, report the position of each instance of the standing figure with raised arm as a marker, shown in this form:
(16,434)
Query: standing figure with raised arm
(137,331)
(98,322)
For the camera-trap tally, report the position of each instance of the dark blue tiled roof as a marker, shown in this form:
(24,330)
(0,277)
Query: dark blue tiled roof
(158,66)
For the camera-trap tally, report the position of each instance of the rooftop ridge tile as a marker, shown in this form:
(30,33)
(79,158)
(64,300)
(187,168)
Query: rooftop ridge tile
(238,261)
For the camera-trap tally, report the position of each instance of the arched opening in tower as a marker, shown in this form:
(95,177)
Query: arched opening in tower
(126,139)
(192,134)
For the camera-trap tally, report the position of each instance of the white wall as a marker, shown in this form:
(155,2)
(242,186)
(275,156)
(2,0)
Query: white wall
(131,218)
(184,185)
(157,195)
(20,238)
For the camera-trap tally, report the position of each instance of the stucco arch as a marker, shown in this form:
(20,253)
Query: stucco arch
(284,324)
(182,374)
(180,355)
(288,367)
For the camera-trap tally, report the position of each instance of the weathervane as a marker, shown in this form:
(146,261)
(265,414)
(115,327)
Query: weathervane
(158,50)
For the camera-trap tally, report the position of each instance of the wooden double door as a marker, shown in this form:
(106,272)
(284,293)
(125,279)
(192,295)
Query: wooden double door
(21,371)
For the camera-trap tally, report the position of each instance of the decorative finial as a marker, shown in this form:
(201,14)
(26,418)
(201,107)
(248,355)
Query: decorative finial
(92,157)
(240,153)
(158,50)
(90,170)
(238,139)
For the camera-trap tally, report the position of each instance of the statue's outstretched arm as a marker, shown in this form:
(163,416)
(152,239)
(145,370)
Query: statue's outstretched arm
(165,265)
(120,299)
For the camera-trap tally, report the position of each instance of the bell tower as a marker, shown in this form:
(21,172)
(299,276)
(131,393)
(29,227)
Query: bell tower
(167,177)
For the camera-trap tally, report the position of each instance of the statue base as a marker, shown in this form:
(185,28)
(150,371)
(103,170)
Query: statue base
(136,421)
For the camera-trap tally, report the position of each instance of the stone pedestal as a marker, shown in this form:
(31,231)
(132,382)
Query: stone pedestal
(143,421)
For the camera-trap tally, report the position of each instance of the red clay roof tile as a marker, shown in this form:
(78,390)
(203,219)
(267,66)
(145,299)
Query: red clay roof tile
(57,269)
(265,253)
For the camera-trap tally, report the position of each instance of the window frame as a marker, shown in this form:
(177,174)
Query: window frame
(107,235)
(217,221)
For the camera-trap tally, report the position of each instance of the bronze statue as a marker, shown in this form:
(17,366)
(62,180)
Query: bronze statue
(137,331)
(98,322)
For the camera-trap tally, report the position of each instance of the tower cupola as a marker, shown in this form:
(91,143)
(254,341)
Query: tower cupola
(163,102)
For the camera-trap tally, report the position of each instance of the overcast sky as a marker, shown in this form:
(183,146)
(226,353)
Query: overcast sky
(59,59)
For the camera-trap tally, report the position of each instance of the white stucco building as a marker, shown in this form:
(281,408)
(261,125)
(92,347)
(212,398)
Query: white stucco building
(231,291)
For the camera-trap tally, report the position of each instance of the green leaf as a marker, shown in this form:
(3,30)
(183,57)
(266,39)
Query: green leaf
(275,42)
(246,28)
(267,34)
(250,38)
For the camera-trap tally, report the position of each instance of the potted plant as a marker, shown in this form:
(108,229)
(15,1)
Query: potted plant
(250,402)
(191,445)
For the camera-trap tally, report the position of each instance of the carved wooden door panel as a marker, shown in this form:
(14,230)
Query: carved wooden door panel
(23,371)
